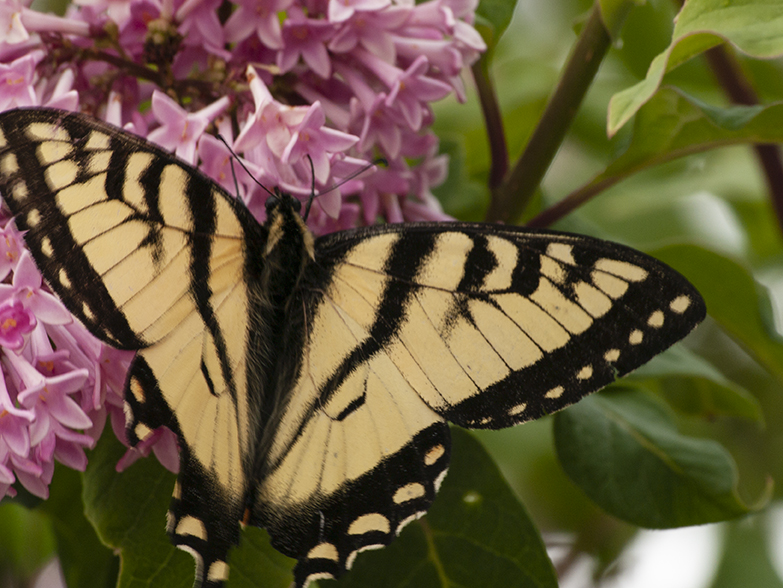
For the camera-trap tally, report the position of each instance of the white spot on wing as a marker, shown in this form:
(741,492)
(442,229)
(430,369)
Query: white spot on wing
(555,392)
(515,410)
(19,191)
(506,255)
(324,551)
(585,373)
(635,337)
(439,480)
(33,217)
(191,526)
(552,270)
(407,521)
(612,355)
(52,151)
(434,454)
(610,285)
(126,409)
(656,319)
(47,131)
(97,141)
(61,174)
(9,165)
(349,561)
(218,572)
(88,313)
(46,246)
(137,390)
(561,251)
(62,277)
(622,269)
(680,304)
(317,576)
(408,492)
(368,523)
(142,431)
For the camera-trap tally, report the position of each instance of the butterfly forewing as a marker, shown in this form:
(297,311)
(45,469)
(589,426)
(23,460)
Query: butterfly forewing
(149,255)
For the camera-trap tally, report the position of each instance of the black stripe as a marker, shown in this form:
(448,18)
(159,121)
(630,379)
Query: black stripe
(201,203)
(207,378)
(112,325)
(355,405)
(405,261)
(480,262)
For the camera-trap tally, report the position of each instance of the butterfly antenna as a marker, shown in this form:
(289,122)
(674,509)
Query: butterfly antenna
(313,195)
(312,190)
(234,175)
(244,167)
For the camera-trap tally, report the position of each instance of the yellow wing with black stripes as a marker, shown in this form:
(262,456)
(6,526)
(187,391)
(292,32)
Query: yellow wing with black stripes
(310,382)
(150,255)
(410,326)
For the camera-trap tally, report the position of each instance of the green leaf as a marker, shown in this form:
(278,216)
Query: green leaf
(672,125)
(254,562)
(614,12)
(476,534)
(755,28)
(493,18)
(26,542)
(695,387)
(746,557)
(734,299)
(623,450)
(128,511)
(85,561)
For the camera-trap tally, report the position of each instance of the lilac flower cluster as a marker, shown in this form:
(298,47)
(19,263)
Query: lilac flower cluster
(298,88)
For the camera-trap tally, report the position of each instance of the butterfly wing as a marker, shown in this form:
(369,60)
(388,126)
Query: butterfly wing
(149,255)
(407,326)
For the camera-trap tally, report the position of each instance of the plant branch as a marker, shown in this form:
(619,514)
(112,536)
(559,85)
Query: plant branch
(732,79)
(493,122)
(572,201)
(513,195)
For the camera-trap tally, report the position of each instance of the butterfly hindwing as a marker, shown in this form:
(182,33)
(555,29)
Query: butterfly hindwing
(150,255)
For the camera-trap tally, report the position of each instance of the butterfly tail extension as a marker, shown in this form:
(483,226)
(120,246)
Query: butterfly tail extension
(365,513)
(200,531)
(203,518)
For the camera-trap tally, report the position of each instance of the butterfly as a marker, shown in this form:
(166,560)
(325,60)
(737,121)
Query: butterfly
(309,381)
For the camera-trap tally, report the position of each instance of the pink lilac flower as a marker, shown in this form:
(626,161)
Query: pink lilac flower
(26,288)
(15,322)
(180,130)
(340,10)
(371,30)
(16,82)
(10,249)
(311,137)
(260,17)
(306,38)
(11,22)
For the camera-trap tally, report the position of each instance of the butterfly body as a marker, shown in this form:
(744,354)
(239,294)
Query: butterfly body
(310,380)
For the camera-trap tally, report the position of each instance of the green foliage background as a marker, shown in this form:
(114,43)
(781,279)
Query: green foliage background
(696,436)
